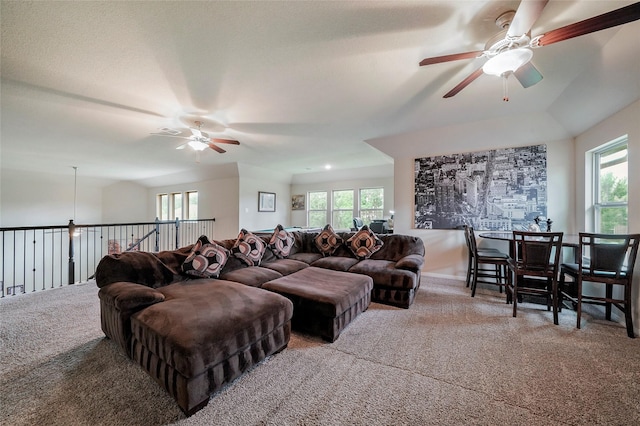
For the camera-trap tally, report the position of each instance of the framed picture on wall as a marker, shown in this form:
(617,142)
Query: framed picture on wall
(496,190)
(266,201)
(298,202)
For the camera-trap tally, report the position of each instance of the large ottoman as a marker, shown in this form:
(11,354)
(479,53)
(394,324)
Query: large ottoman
(205,334)
(325,301)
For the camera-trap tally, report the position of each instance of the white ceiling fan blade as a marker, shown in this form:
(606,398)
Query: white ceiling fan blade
(169,136)
(183,146)
(527,14)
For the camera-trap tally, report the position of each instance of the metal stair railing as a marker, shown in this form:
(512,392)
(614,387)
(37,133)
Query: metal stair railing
(40,257)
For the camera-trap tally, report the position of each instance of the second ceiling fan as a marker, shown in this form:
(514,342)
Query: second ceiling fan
(510,51)
(198,140)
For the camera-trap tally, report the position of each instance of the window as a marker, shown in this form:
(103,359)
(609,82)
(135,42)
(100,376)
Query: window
(191,205)
(171,206)
(317,214)
(162,207)
(177,205)
(371,204)
(342,212)
(611,187)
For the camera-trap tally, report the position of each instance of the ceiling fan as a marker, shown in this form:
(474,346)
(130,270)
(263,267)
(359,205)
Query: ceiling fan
(510,51)
(198,140)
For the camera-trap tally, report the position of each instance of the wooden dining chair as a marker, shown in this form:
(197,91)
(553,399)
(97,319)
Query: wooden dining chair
(477,272)
(534,264)
(603,259)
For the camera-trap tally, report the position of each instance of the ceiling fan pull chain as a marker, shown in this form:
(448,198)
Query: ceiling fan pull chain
(505,94)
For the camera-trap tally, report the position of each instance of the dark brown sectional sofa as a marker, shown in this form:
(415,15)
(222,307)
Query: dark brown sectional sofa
(195,335)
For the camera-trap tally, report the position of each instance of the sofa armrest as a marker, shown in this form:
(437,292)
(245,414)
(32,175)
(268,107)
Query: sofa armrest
(129,297)
(412,262)
(137,267)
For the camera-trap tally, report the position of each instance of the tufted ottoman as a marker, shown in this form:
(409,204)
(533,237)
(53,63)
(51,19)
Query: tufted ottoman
(205,334)
(325,301)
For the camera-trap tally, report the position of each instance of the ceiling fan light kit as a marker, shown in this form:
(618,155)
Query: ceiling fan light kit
(508,61)
(510,51)
(197,145)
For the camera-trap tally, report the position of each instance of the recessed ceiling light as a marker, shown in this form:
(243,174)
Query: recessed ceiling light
(328,166)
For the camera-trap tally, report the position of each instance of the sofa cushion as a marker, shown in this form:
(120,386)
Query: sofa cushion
(206,259)
(328,241)
(249,248)
(336,263)
(285,266)
(281,242)
(307,258)
(253,276)
(397,246)
(364,243)
(385,274)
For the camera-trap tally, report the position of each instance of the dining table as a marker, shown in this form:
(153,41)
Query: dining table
(568,240)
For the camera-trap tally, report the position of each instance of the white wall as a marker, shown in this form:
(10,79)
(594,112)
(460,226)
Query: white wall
(626,121)
(126,202)
(40,199)
(256,179)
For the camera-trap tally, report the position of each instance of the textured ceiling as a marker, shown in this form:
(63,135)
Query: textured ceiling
(299,84)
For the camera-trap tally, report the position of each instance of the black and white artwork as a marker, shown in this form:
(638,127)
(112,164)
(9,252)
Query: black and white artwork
(499,190)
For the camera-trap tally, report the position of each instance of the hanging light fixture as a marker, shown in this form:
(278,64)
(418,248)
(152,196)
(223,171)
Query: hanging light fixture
(508,61)
(198,145)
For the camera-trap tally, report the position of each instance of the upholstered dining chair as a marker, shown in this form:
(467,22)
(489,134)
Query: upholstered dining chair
(476,271)
(534,264)
(604,259)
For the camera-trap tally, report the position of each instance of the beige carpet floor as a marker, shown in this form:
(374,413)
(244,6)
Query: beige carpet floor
(449,359)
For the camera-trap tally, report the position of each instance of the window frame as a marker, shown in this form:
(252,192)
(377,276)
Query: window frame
(598,205)
(162,199)
(186,205)
(169,198)
(335,210)
(310,210)
(361,211)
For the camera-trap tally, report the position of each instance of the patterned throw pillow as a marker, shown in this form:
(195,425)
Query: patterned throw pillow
(206,259)
(249,248)
(328,241)
(281,242)
(364,243)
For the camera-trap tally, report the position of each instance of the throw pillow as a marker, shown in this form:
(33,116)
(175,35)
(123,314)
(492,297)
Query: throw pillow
(206,259)
(249,248)
(281,242)
(364,243)
(328,241)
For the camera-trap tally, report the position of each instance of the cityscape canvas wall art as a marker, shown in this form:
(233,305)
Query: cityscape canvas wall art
(502,189)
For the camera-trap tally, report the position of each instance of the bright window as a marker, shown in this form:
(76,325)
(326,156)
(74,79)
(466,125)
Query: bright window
(177,205)
(317,213)
(342,212)
(371,204)
(162,207)
(191,205)
(611,188)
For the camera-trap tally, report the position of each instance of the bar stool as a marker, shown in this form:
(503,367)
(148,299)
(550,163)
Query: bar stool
(477,257)
(534,263)
(606,259)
